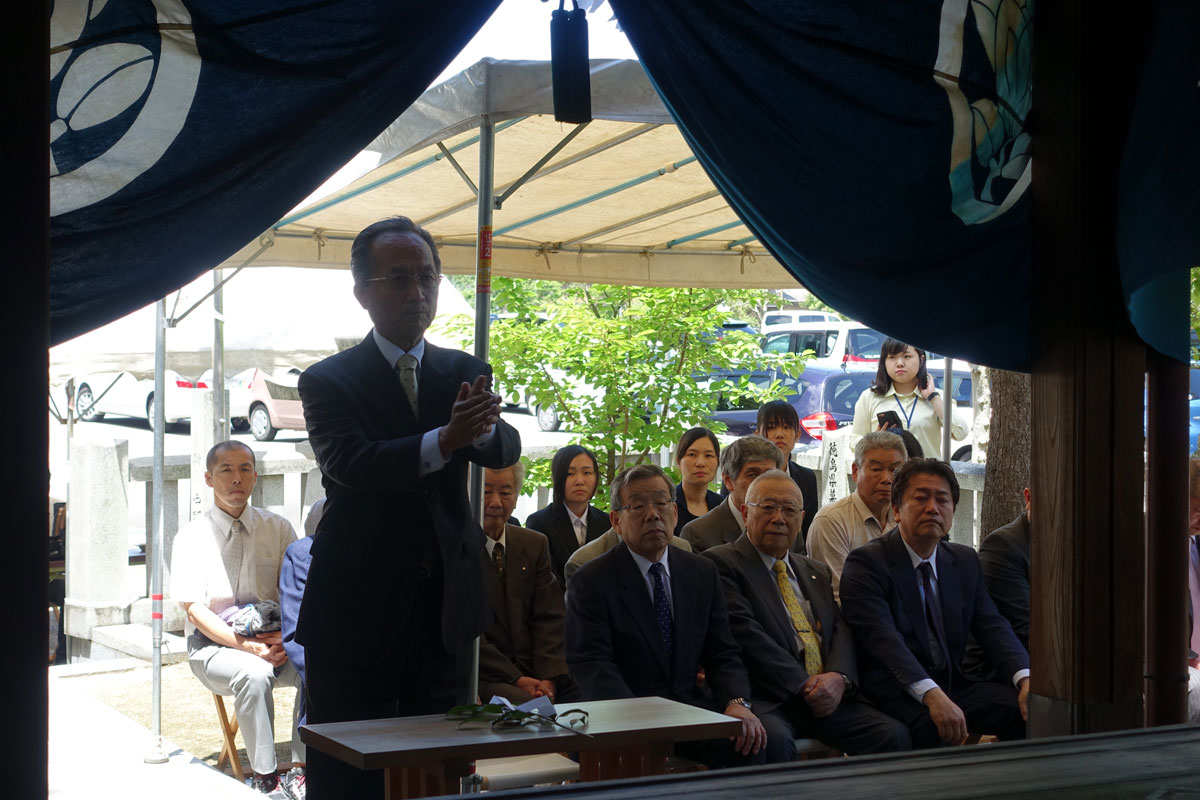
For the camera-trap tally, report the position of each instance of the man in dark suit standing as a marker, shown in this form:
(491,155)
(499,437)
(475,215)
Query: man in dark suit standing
(798,650)
(741,462)
(912,599)
(1004,557)
(396,590)
(644,617)
(521,656)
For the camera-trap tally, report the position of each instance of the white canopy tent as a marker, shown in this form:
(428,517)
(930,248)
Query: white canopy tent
(620,200)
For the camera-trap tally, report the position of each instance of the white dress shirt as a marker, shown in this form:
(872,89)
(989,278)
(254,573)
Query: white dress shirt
(643,565)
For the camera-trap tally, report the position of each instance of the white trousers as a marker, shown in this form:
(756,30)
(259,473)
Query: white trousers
(249,680)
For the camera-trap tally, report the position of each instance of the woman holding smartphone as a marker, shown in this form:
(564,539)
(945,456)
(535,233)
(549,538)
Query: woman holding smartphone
(903,396)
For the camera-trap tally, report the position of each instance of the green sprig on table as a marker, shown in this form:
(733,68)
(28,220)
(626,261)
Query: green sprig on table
(498,716)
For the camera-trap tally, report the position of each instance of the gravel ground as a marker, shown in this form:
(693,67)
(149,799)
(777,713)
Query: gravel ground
(189,717)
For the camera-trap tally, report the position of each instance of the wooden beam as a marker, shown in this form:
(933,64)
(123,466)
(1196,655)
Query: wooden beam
(1087,477)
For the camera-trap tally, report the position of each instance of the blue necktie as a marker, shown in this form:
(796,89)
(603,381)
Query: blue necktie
(933,611)
(662,608)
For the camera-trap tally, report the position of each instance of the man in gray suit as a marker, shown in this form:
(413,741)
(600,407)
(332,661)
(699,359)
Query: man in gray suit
(741,462)
(796,646)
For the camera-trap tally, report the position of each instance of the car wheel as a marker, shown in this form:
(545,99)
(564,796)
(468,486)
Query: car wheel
(260,424)
(962,454)
(547,418)
(239,424)
(84,400)
(150,412)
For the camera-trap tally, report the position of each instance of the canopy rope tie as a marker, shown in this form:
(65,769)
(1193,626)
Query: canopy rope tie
(545,249)
(746,252)
(319,237)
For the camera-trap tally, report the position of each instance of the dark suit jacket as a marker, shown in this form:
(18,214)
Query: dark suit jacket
(1004,556)
(714,528)
(384,525)
(555,523)
(525,636)
(614,648)
(806,479)
(882,603)
(763,629)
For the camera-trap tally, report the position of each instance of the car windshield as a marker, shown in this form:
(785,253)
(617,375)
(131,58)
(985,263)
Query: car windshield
(865,343)
(777,319)
(842,391)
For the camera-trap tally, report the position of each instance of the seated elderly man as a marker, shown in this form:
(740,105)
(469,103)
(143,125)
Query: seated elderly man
(644,617)
(864,514)
(598,547)
(228,559)
(913,599)
(521,653)
(796,647)
(741,462)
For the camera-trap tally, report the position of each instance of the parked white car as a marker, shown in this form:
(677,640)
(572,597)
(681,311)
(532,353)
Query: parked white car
(238,387)
(790,319)
(124,394)
(830,344)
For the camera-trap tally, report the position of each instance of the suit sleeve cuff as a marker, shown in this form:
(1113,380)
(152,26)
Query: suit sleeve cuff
(431,454)
(1021,673)
(920,688)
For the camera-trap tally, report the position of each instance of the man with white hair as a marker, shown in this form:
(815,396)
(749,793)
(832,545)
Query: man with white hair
(866,513)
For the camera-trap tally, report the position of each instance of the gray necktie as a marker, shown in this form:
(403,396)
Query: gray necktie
(580,532)
(407,364)
(231,556)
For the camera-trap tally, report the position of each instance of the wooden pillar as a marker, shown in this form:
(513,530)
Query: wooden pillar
(25,330)
(1088,543)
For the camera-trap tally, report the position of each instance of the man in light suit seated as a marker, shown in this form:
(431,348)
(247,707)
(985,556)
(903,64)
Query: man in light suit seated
(741,462)
(913,599)
(521,654)
(643,618)
(796,647)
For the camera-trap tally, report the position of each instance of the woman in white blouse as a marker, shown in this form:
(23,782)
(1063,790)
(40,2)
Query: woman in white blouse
(904,386)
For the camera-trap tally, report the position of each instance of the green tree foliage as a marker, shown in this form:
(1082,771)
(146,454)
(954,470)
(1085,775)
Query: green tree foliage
(625,367)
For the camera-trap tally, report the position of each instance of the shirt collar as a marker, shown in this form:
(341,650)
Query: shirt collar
(891,391)
(574,519)
(916,559)
(224,523)
(737,513)
(866,514)
(502,541)
(769,562)
(392,352)
(643,563)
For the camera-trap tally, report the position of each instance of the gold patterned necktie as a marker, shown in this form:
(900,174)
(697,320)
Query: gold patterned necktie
(800,621)
(498,561)
(407,365)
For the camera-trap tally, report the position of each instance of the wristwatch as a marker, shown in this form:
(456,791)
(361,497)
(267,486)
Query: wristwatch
(932,395)
(739,701)
(849,683)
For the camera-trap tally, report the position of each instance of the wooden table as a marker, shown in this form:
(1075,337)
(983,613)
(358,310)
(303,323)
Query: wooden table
(426,756)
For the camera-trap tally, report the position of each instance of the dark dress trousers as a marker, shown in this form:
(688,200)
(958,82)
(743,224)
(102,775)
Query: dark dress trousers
(396,585)
(555,523)
(775,662)
(615,650)
(684,516)
(883,605)
(525,637)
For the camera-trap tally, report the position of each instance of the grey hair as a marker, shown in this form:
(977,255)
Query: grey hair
(775,475)
(639,473)
(879,440)
(745,450)
(518,473)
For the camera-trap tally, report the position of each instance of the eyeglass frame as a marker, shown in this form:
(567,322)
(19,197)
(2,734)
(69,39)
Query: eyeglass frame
(775,507)
(394,279)
(639,508)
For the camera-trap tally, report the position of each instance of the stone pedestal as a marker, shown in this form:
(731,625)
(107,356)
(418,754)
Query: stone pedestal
(200,496)
(97,555)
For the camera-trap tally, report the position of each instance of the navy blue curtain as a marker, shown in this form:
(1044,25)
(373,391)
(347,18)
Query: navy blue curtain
(1158,213)
(181,130)
(877,149)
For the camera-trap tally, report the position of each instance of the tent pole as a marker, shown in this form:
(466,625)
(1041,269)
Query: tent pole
(220,412)
(156,754)
(947,393)
(473,783)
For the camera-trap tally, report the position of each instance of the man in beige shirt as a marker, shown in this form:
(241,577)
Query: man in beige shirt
(866,513)
(227,558)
